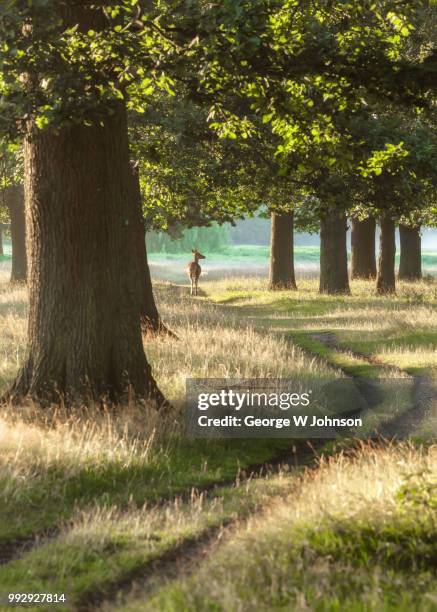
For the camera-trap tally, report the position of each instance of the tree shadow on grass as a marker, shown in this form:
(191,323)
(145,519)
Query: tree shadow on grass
(39,502)
(407,543)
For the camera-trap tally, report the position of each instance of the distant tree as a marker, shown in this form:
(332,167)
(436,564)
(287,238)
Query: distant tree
(282,275)
(363,265)
(14,199)
(333,254)
(12,206)
(400,182)
(385,282)
(410,265)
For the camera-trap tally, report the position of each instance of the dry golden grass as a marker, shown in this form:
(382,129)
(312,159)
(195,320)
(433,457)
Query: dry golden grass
(83,454)
(210,344)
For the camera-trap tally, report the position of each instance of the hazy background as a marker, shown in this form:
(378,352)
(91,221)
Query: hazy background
(243,250)
(240,250)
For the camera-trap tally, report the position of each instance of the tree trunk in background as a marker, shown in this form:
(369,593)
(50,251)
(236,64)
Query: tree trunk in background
(151,322)
(386,282)
(14,197)
(333,254)
(282,252)
(1,239)
(85,281)
(410,266)
(363,249)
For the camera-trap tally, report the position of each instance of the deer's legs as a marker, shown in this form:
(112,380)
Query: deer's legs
(197,280)
(192,286)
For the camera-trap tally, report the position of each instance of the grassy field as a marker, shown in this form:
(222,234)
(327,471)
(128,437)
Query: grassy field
(245,260)
(122,512)
(7,251)
(255,255)
(303,254)
(260,254)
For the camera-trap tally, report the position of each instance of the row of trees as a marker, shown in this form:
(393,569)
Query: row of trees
(334,277)
(225,106)
(389,173)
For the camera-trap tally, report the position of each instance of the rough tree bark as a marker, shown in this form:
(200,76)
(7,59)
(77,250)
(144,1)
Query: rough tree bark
(386,281)
(282,252)
(84,337)
(363,249)
(410,265)
(151,322)
(333,254)
(14,197)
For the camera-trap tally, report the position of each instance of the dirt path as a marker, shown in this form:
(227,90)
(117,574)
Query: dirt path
(184,558)
(403,424)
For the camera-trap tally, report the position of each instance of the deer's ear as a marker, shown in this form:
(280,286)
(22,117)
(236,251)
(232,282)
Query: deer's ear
(193,250)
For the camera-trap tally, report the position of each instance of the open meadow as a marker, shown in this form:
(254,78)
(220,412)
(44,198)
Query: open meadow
(123,512)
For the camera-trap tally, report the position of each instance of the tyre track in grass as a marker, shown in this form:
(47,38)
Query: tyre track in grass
(192,551)
(148,577)
(301,453)
(403,424)
(18,547)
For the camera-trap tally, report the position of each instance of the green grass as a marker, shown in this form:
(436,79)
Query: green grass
(395,330)
(348,363)
(7,251)
(258,254)
(244,253)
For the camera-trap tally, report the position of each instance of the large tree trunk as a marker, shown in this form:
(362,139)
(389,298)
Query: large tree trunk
(85,281)
(410,266)
(363,249)
(333,254)
(15,201)
(282,252)
(386,282)
(151,322)
(84,337)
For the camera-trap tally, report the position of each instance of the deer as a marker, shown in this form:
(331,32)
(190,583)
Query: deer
(194,270)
